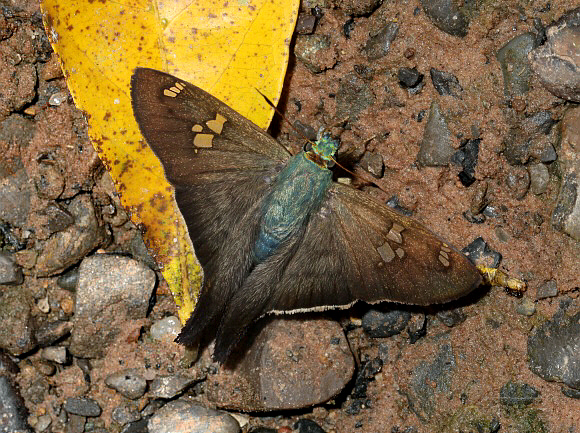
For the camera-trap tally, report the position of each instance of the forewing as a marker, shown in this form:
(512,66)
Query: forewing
(221,166)
(357,249)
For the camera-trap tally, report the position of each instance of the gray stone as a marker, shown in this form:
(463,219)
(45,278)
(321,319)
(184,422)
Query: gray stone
(379,44)
(447,16)
(56,354)
(557,62)
(517,394)
(373,163)
(353,96)
(15,191)
(566,214)
(436,147)
(526,307)
(429,378)
(547,290)
(10,272)
(554,350)
(170,386)
(380,324)
(128,383)
(314,52)
(82,406)
(17,331)
(125,414)
(184,417)
(12,409)
(69,246)
(539,178)
(445,83)
(513,58)
(111,290)
(276,372)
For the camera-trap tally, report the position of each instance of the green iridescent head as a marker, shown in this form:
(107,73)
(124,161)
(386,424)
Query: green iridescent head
(325,147)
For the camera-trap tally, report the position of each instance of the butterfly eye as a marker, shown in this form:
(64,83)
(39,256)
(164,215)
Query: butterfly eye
(330,163)
(308,146)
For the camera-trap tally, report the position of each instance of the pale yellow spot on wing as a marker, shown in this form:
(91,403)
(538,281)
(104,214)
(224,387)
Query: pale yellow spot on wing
(444,261)
(443,254)
(445,247)
(203,140)
(169,93)
(174,89)
(395,237)
(180,86)
(386,252)
(217,125)
(197,128)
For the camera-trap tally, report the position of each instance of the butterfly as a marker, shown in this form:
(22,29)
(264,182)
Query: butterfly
(273,232)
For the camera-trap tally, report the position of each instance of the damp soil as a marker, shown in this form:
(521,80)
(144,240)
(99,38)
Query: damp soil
(490,346)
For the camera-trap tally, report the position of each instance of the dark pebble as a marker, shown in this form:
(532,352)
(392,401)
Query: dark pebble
(305,24)
(436,148)
(451,318)
(467,156)
(378,324)
(446,16)
(69,280)
(136,427)
(554,350)
(125,414)
(7,366)
(479,252)
(262,430)
(393,202)
(409,77)
(417,327)
(571,393)
(445,83)
(378,45)
(10,272)
(307,426)
(48,333)
(82,406)
(555,62)
(366,374)
(517,394)
(13,412)
(348,27)
(513,58)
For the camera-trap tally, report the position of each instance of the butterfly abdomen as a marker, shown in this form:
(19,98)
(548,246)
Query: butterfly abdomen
(297,192)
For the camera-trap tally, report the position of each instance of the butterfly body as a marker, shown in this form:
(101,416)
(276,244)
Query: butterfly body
(297,192)
(272,231)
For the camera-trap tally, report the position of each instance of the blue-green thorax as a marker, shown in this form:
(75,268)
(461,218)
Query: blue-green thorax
(297,192)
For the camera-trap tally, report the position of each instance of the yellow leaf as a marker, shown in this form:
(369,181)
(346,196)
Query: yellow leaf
(228,48)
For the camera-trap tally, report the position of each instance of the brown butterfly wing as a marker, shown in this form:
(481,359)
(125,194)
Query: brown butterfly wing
(352,249)
(221,166)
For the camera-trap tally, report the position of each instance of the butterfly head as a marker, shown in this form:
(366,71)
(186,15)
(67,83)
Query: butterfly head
(324,149)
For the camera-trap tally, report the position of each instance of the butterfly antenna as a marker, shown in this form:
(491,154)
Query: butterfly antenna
(279,113)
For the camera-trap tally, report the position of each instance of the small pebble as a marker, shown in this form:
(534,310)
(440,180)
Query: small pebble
(547,290)
(57,98)
(379,324)
(83,406)
(128,383)
(166,329)
(517,394)
(56,354)
(539,178)
(526,307)
(169,386)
